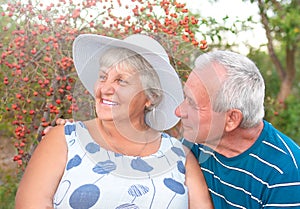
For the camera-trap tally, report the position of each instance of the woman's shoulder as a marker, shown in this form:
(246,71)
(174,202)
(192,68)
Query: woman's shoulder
(173,141)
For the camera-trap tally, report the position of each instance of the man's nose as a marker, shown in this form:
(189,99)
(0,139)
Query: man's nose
(179,112)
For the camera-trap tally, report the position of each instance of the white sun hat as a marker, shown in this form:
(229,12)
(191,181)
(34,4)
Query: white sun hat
(87,49)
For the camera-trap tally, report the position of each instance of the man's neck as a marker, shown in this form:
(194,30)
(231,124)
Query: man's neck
(238,141)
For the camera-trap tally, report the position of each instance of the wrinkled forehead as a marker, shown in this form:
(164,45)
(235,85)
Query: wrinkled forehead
(211,75)
(208,79)
(195,91)
(192,84)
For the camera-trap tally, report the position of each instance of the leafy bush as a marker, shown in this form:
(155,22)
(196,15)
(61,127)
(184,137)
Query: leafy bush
(7,192)
(37,72)
(285,116)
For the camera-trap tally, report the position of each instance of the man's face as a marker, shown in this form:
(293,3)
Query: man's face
(200,123)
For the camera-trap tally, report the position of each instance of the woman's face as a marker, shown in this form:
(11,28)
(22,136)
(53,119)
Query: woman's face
(120,96)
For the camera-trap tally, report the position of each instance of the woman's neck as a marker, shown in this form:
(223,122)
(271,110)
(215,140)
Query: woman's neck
(124,138)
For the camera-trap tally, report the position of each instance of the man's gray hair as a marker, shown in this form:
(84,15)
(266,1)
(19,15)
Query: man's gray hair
(243,87)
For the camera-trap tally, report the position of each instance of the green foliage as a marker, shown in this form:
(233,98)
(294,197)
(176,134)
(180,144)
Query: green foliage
(7,192)
(285,21)
(285,116)
(6,130)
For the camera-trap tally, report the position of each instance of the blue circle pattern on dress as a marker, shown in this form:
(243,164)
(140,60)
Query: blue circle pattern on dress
(175,186)
(105,167)
(92,147)
(140,165)
(86,196)
(128,206)
(138,190)
(75,161)
(178,151)
(181,167)
(69,129)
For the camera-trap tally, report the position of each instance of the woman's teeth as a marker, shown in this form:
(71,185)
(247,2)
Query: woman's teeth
(109,102)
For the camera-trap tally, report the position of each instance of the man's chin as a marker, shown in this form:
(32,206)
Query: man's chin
(190,138)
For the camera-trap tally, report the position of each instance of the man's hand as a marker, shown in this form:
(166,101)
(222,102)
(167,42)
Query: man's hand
(59,121)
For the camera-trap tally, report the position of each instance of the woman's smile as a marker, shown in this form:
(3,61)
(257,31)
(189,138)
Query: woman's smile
(108,102)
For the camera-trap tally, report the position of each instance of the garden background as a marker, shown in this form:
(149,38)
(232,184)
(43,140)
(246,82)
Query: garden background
(37,77)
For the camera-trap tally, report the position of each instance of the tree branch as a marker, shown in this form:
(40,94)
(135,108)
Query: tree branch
(273,56)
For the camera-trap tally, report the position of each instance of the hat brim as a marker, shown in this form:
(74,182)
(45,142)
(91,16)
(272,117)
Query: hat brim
(87,48)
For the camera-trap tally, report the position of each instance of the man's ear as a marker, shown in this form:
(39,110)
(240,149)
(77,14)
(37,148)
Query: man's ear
(234,118)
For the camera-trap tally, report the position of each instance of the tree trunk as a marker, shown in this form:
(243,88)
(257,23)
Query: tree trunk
(288,79)
(285,90)
(286,71)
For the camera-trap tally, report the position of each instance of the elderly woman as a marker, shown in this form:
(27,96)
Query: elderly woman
(121,158)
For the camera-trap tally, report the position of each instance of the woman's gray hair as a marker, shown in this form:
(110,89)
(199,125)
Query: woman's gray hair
(243,87)
(122,58)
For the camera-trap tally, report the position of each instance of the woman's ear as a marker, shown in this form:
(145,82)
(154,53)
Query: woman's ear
(234,118)
(148,104)
(151,100)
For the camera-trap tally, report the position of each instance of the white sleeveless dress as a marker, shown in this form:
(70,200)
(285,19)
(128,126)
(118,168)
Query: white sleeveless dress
(98,178)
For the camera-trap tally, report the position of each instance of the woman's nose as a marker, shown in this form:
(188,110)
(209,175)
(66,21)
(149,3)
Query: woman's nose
(105,87)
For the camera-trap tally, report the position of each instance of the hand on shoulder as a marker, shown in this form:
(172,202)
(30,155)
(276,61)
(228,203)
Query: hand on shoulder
(58,122)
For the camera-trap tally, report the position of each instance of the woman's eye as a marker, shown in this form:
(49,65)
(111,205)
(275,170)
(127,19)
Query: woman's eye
(121,81)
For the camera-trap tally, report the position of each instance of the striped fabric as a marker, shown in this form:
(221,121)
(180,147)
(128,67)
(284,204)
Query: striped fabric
(267,175)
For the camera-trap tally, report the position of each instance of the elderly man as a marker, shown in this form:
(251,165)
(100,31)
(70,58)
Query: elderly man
(247,163)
